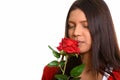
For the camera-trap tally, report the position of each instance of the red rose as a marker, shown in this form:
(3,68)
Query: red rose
(69,46)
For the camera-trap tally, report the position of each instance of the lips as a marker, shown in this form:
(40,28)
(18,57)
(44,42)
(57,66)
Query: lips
(81,41)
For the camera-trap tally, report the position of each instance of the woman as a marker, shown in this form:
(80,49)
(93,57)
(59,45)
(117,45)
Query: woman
(90,23)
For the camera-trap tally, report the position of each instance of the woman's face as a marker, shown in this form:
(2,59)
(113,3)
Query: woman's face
(78,30)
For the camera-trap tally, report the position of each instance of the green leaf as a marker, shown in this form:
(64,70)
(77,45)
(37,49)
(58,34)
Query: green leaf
(55,53)
(74,54)
(62,63)
(77,70)
(61,77)
(53,63)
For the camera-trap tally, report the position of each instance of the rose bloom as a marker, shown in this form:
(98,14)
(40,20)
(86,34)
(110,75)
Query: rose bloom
(69,46)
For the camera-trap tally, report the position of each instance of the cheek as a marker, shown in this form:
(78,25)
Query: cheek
(89,40)
(88,36)
(70,33)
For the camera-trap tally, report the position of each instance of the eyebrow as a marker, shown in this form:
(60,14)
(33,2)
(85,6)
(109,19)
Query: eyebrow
(84,21)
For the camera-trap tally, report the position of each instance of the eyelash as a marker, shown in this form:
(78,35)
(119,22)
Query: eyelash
(85,26)
(74,26)
(71,27)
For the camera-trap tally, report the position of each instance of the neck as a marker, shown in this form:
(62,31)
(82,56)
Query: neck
(88,72)
(86,59)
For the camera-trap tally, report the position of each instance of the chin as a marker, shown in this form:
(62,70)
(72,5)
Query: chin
(83,52)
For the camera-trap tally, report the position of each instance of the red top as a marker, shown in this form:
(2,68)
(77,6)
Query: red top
(49,72)
(116,75)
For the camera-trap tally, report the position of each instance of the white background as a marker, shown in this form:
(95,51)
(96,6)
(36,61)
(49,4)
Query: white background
(27,27)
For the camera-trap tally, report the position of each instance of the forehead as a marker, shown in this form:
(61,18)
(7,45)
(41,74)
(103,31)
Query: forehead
(77,14)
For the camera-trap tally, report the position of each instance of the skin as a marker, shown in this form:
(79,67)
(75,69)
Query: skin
(78,30)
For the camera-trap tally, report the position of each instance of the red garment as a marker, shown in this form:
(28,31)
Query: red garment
(116,76)
(49,72)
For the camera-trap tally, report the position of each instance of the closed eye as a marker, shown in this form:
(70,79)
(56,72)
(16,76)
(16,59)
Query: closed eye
(71,25)
(85,26)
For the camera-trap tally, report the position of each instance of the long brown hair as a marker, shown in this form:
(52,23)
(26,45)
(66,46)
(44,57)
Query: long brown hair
(105,50)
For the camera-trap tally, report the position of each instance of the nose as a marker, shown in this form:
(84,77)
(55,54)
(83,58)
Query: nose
(78,31)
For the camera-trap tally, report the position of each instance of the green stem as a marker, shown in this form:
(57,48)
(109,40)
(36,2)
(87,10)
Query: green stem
(65,64)
(62,58)
(61,69)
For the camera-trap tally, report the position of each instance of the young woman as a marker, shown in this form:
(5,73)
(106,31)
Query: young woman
(90,23)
